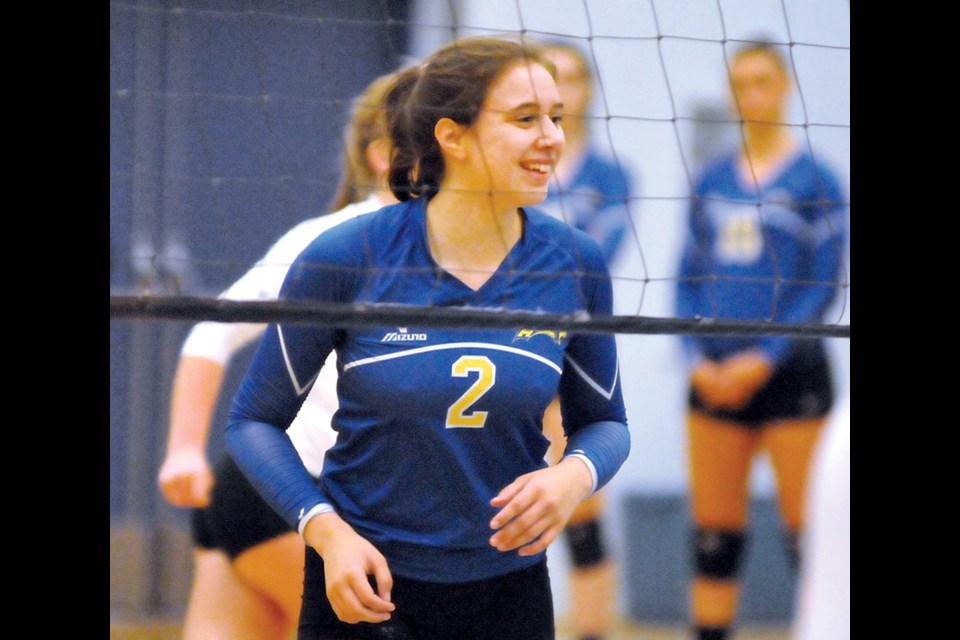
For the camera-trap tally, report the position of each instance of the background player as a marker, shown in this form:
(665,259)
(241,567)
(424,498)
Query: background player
(248,563)
(765,241)
(591,192)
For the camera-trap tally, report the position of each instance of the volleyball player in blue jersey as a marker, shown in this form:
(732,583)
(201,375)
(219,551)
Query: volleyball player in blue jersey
(590,191)
(435,505)
(766,238)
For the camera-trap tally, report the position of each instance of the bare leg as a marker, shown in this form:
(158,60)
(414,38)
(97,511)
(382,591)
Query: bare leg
(720,458)
(593,578)
(222,607)
(274,569)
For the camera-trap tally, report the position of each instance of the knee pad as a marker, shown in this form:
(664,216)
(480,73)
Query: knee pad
(717,553)
(585,542)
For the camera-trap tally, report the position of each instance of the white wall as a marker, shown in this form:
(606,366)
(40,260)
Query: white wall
(651,87)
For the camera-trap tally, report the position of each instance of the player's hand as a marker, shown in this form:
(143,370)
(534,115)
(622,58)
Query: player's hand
(185,478)
(535,507)
(348,561)
(741,377)
(706,381)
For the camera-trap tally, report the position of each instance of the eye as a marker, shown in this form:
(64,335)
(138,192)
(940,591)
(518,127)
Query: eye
(527,119)
(557,120)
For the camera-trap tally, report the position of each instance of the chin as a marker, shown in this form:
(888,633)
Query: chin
(533,196)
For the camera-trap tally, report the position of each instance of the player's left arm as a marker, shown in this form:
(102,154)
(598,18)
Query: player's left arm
(816,288)
(591,394)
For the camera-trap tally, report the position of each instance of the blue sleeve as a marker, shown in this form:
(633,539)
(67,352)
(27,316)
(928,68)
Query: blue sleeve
(806,301)
(277,382)
(591,394)
(605,445)
(693,266)
(612,220)
(270,462)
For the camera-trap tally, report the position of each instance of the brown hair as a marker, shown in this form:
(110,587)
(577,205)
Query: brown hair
(451,83)
(762,45)
(575,50)
(367,124)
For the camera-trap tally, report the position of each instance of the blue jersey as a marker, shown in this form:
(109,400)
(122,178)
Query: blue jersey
(433,422)
(594,200)
(772,253)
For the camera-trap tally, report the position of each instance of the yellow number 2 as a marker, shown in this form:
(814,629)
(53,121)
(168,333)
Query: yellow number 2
(458,415)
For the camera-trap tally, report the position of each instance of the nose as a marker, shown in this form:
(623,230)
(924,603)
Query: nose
(551,134)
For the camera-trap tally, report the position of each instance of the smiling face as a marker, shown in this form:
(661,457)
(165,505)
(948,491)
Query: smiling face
(517,139)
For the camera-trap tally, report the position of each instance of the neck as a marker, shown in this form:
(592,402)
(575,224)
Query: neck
(765,141)
(765,148)
(386,196)
(468,236)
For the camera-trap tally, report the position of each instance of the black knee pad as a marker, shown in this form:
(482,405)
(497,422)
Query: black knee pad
(585,542)
(718,552)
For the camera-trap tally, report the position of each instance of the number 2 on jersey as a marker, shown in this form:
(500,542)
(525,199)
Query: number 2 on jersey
(459,414)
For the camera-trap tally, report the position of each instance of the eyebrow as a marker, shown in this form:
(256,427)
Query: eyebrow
(532,105)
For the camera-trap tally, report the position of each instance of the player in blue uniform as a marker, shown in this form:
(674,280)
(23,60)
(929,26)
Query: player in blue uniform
(435,505)
(766,239)
(590,191)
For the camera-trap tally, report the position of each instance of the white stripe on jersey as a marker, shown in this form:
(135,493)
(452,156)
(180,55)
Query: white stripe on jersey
(454,345)
(290,371)
(607,394)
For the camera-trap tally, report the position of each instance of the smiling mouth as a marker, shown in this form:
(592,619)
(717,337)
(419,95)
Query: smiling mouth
(539,167)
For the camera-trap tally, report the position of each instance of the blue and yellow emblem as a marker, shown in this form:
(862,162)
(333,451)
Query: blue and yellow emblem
(527,334)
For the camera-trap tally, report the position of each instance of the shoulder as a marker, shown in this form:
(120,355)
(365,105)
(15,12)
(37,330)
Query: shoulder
(605,168)
(718,163)
(302,234)
(598,160)
(349,234)
(330,220)
(811,180)
(807,162)
(717,171)
(578,245)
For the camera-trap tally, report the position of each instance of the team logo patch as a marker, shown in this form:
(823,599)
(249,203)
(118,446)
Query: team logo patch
(528,334)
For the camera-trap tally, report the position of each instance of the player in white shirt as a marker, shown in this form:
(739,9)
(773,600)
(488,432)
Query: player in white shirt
(248,563)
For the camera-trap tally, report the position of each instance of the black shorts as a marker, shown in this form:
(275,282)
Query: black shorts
(237,517)
(800,388)
(515,606)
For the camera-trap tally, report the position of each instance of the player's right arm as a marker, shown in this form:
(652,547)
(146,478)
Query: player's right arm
(348,560)
(185,477)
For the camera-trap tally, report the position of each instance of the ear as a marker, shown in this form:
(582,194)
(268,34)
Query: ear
(449,135)
(377,155)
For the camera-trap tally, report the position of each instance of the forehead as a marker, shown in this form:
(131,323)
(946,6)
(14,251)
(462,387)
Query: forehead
(757,62)
(521,84)
(569,66)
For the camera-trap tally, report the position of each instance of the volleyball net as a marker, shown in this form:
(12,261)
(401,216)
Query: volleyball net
(227,130)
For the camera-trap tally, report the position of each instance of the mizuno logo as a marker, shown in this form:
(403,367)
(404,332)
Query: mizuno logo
(527,334)
(402,334)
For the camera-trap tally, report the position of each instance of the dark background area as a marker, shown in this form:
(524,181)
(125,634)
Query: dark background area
(226,122)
